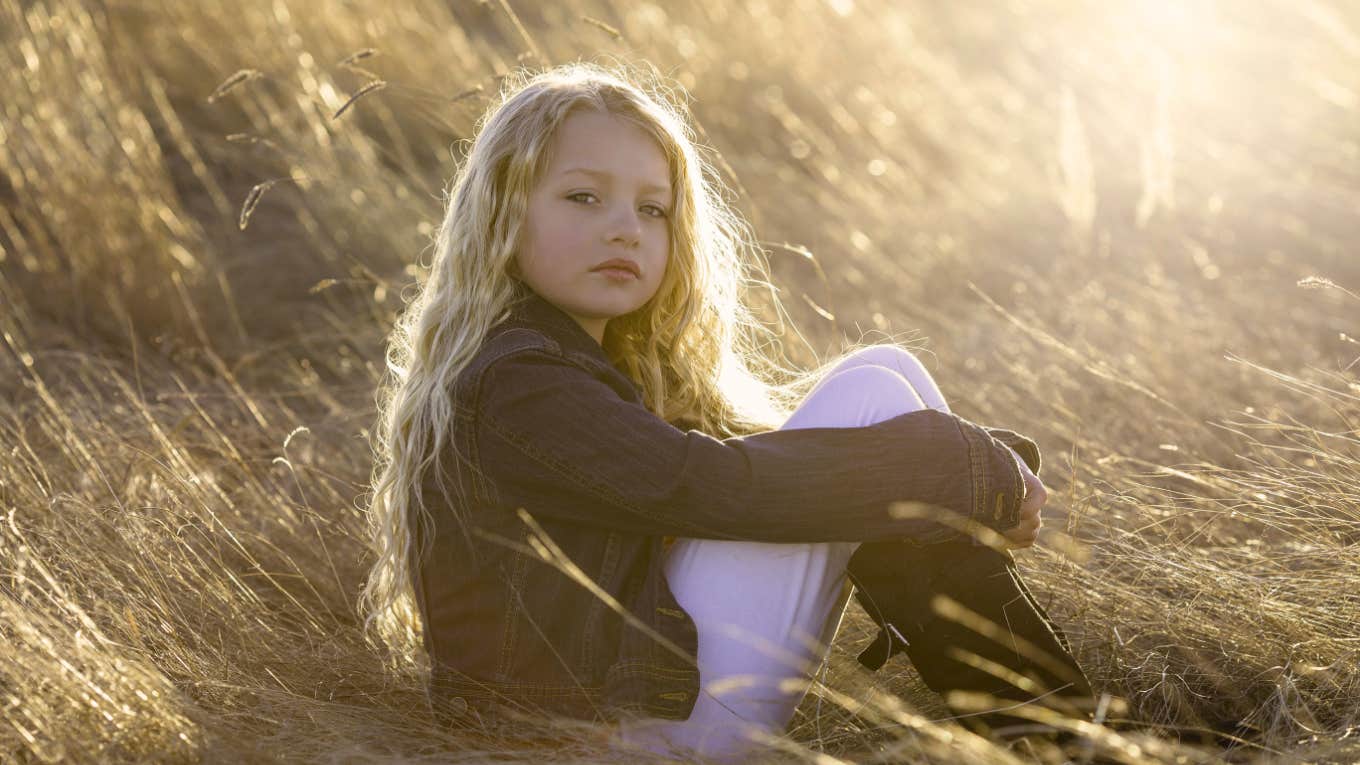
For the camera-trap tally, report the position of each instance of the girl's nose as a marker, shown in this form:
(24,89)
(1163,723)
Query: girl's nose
(624,226)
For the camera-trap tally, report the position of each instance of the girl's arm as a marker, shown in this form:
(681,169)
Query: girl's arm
(554,439)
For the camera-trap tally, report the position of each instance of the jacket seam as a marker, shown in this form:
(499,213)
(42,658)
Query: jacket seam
(607,567)
(510,632)
(978,468)
(1012,513)
(1021,488)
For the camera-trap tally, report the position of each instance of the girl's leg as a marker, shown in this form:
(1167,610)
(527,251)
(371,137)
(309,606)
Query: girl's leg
(907,578)
(784,588)
(766,612)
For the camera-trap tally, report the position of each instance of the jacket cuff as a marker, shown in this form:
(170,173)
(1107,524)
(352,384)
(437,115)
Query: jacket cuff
(998,485)
(1025,447)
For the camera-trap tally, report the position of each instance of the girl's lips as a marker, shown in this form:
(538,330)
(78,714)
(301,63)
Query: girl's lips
(627,264)
(616,273)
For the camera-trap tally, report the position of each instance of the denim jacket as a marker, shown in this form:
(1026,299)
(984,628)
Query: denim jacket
(569,485)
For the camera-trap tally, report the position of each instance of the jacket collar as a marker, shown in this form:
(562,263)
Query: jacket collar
(529,309)
(532,310)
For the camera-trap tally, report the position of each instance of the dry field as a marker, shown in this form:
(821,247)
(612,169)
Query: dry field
(1127,229)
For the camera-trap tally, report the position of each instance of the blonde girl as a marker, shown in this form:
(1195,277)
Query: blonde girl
(596,494)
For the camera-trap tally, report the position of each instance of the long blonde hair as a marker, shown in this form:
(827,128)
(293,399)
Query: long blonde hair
(695,349)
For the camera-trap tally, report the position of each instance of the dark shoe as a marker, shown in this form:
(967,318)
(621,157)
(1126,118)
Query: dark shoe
(966,620)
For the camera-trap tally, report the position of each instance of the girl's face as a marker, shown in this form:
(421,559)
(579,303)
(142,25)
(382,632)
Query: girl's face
(605,195)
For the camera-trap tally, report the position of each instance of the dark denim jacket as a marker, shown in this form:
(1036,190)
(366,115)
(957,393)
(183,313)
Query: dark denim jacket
(546,423)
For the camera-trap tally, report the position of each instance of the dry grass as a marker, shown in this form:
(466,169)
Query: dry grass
(1099,214)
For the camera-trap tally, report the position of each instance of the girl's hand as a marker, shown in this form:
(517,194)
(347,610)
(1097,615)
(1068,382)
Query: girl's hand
(1036,495)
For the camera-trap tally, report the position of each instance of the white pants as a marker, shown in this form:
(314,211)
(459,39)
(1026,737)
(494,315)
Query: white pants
(768,612)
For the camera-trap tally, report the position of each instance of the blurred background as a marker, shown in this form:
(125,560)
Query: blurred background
(1126,229)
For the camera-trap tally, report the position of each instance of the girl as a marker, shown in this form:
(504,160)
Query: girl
(594,495)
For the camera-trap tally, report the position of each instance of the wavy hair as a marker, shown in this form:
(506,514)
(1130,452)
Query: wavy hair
(695,349)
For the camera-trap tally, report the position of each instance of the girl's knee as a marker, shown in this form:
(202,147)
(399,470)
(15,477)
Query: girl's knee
(888,355)
(905,363)
(870,382)
(857,396)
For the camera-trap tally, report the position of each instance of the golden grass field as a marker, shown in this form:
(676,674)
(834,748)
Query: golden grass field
(1126,229)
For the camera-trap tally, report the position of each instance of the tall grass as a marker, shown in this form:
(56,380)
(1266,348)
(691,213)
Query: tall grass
(1104,218)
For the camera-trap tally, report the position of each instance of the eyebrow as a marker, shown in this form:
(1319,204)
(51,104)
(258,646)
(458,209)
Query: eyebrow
(602,174)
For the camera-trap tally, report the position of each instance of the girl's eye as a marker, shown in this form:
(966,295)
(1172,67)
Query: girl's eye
(660,212)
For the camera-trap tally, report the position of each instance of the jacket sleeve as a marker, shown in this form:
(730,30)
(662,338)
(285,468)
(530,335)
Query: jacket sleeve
(552,438)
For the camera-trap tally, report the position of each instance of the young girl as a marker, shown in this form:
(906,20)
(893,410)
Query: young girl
(594,496)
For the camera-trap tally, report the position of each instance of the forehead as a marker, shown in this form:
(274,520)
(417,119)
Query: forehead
(593,144)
